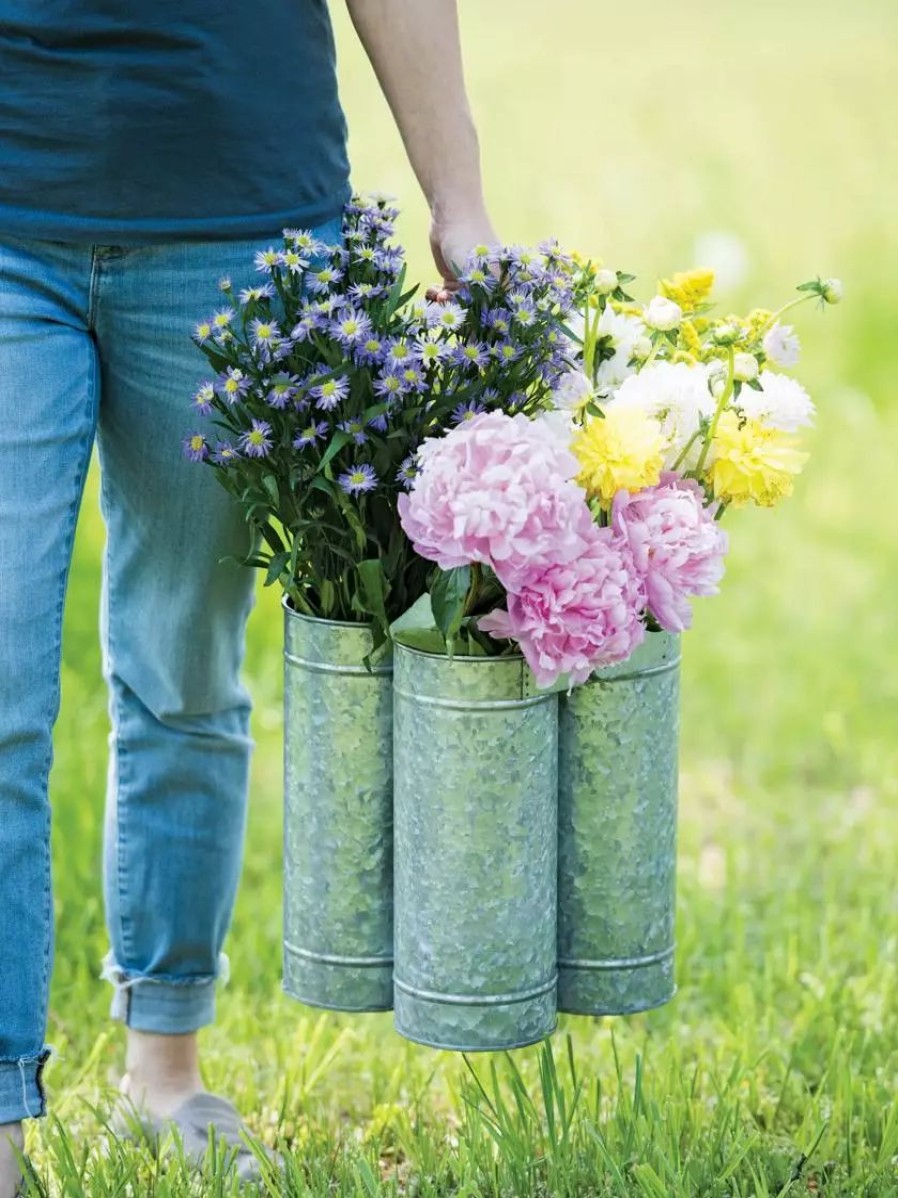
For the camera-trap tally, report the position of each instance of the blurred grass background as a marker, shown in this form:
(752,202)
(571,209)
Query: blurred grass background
(763,134)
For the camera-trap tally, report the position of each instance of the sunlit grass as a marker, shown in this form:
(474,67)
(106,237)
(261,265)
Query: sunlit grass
(630,131)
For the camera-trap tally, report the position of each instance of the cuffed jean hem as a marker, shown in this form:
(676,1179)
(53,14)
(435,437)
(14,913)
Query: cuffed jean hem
(22,1089)
(170,1006)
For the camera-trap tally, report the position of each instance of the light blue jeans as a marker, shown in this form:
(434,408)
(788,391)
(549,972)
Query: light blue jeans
(95,341)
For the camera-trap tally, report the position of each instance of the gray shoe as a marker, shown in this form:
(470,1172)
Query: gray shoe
(191,1121)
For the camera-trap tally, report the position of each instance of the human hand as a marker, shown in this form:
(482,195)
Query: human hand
(453,238)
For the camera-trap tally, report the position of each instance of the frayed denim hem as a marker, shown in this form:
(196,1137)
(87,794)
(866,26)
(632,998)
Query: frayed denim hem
(160,1003)
(21,1087)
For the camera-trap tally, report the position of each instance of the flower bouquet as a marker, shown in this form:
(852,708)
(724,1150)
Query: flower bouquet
(520,491)
(580,539)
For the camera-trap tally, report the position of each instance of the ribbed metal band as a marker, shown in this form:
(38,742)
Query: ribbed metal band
(648,673)
(475,704)
(621,962)
(318,667)
(473,1000)
(333,959)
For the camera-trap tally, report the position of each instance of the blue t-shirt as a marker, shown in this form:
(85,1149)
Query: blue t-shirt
(154,120)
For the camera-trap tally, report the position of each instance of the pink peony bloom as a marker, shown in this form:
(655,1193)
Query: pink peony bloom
(571,618)
(498,489)
(677,546)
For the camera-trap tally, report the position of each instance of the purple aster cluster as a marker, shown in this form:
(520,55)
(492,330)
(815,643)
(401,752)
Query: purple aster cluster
(329,373)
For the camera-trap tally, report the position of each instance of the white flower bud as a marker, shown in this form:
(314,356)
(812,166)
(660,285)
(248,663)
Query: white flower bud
(662,314)
(833,291)
(726,334)
(745,367)
(606,281)
(642,348)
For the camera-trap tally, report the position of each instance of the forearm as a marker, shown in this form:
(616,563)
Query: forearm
(415,50)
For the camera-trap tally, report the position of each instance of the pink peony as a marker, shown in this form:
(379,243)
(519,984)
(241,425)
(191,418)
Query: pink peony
(571,618)
(498,489)
(677,546)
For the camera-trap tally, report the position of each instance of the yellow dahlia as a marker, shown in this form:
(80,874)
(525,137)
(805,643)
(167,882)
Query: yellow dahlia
(622,451)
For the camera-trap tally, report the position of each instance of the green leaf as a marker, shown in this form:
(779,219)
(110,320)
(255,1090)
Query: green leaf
(371,600)
(448,594)
(338,441)
(270,483)
(277,563)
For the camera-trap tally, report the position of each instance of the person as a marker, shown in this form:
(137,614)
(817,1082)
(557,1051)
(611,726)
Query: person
(145,151)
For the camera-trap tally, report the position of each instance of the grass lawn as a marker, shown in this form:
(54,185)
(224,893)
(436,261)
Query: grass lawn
(628,131)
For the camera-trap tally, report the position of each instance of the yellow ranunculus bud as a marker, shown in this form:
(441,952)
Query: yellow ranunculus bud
(689,288)
(624,450)
(752,462)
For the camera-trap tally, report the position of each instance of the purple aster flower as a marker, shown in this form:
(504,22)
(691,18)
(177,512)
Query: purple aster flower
(407,473)
(363,254)
(525,314)
(304,327)
(321,281)
(499,320)
(362,292)
(478,277)
(399,354)
(429,352)
(413,378)
(449,316)
(203,331)
(283,389)
(372,352)
(267,260)
(265,335)
(294,261)
(473,353)
(257,442)
(196,448)
(308,436)
(516,401)
(252,295)
(224,284)
(389,261)
(232,385)
(358,480)
(505,352)
(202,398)
(223,317)
(330,393)
(225,453)
(351,327)
(379,423)
(355,428)
(389,385)
(301,238)
(467,411)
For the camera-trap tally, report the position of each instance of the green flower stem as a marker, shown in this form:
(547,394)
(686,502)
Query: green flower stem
(474,590)
(802,299)
(725,398)
(689,444)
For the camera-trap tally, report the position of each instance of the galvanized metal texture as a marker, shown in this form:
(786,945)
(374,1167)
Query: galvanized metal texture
(618,741)
(476,786)
(338,818)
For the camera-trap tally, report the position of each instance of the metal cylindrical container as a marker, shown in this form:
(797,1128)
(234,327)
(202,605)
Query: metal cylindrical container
(617,815)
(338,817)
(475,801)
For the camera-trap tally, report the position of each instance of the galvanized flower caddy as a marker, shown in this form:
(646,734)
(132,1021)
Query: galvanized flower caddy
(476,794)
(618,740)
(338,817)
